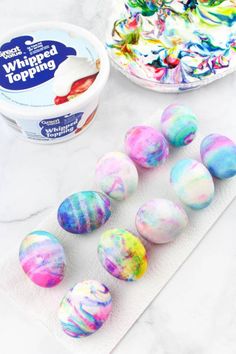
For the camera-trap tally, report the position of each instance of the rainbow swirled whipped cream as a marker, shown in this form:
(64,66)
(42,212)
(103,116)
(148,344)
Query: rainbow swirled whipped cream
(173,45)
(51,77)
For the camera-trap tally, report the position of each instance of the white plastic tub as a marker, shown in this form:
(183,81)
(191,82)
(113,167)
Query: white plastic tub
(51,77)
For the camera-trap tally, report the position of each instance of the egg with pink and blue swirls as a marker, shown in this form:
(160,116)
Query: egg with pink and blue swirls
(85,308)
(218,154)
(178,124)
(146,146)
(84,212)
(42,258)
(116,175)
(192,183)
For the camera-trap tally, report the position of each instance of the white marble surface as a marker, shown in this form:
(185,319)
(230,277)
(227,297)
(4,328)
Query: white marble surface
(196,312)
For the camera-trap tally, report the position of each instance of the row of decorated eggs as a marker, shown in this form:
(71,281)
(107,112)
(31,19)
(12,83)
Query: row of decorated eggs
(121,253)
(159,221)
(116,173)
(117,176)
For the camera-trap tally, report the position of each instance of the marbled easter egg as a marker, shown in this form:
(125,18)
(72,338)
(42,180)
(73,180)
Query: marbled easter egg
(218,154)
(122,254)
(42,258)
(161,220)
(179,124)
(146,146)
(85,308)
(84,212)
(117,175)
(193,183)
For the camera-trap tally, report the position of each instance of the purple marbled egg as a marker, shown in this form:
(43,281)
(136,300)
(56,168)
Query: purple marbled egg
(84,212)
(146,146)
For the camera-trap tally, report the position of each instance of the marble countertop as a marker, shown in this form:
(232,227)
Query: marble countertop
(196,312)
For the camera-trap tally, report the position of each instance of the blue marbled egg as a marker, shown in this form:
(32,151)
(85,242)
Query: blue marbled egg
(84,212)
(218,154)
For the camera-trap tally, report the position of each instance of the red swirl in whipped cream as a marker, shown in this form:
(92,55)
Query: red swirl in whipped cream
(73,77)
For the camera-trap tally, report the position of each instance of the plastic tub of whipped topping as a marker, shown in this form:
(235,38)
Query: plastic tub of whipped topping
(51,77)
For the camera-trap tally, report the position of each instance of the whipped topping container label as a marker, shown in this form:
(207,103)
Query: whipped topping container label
(44,74)
(55,128)
(25,63)
(31,67)
(61,126)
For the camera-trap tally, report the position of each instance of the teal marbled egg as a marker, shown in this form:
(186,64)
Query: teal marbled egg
(179,124)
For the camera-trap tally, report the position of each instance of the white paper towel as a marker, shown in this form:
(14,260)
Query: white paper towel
(129,299)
